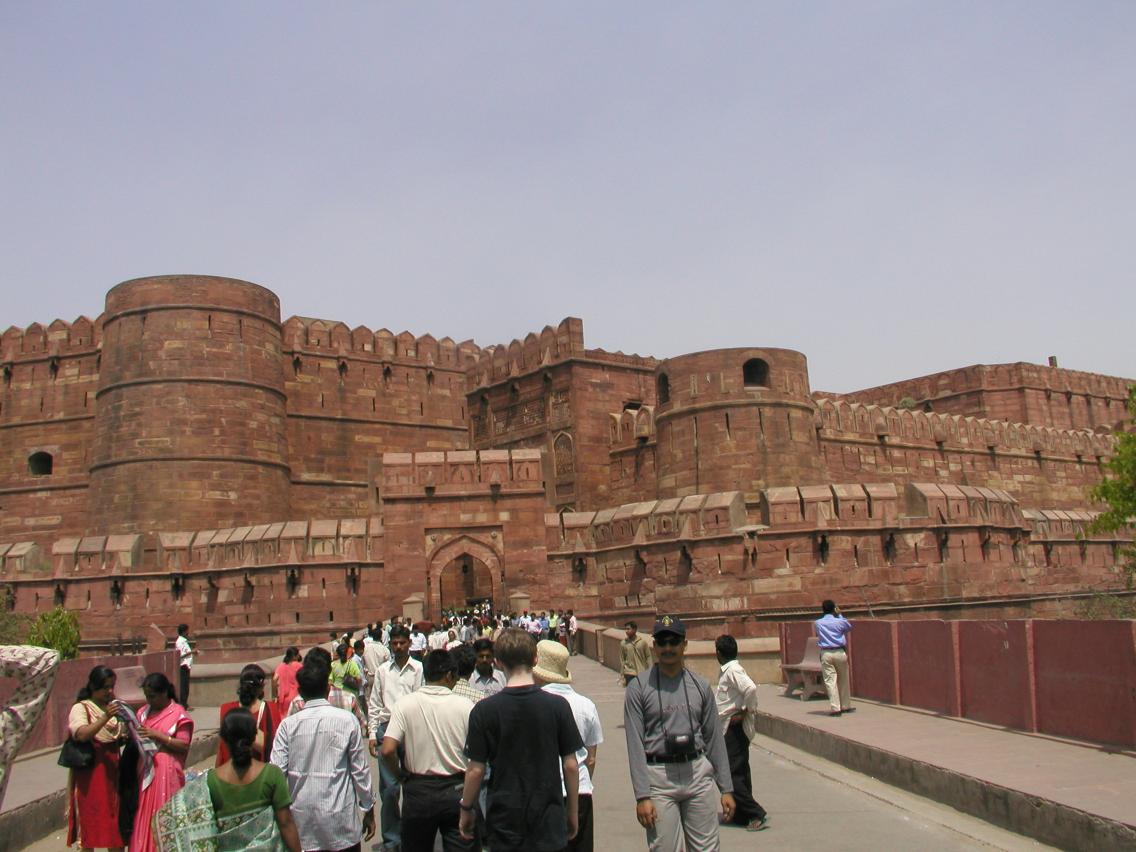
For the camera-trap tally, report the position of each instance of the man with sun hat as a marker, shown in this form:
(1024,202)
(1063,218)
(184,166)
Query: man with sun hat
(675,749)
(551,673)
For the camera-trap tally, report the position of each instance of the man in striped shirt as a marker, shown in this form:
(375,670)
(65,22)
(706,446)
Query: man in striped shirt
(320,750)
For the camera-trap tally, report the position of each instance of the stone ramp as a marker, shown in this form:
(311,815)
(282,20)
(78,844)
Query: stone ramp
(1070,794)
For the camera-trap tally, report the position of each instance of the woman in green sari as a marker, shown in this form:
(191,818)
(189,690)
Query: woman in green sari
(241,805)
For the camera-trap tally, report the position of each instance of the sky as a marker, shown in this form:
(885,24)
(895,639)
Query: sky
(892,188)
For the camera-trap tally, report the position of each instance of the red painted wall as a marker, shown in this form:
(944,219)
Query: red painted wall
(872,661)
(51,730)
(1086,672)
(927,665)
(995,675)
(1079,674)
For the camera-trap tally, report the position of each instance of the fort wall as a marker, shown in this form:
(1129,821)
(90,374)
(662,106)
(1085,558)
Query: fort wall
(188,457)
(1021,393)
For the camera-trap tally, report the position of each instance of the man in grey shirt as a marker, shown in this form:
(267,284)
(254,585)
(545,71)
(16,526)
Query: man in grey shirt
(675,750)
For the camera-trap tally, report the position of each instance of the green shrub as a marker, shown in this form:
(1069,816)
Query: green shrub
(59,629)
(13,627)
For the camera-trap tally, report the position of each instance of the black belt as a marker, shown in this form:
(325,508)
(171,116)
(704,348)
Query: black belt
(673,758)
(458,776)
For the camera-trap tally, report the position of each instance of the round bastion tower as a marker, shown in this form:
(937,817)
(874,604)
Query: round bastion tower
(190,427)
(734,420)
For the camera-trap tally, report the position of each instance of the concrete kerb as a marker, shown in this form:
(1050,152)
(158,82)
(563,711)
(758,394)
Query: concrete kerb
(39,818)
(1042,819)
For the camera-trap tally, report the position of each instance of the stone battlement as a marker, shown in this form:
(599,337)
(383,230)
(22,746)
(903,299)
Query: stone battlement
(879,422)
(335,338)
(58,338)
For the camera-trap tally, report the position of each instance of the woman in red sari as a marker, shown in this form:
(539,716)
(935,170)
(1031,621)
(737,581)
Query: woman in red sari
(166,724)
(250,695)
(92,816)
(284,680)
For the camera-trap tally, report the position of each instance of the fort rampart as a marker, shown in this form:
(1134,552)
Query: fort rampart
(188,456)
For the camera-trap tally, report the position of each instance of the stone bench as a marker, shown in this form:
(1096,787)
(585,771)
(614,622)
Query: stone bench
(805,674)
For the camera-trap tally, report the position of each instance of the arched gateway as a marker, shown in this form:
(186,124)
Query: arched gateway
(464,571)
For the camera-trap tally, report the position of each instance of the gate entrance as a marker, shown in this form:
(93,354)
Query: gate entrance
(465,581)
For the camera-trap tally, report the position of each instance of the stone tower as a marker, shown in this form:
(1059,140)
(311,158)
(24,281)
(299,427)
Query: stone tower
(734,420)
(190,429)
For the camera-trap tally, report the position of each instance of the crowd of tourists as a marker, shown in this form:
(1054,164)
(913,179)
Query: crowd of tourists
(480,737)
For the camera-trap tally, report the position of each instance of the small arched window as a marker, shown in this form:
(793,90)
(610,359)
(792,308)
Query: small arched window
(40,464)
(755,373)
(664,389)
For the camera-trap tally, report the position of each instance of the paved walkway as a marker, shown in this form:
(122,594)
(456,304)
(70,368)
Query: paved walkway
(1067,791)
(807,796)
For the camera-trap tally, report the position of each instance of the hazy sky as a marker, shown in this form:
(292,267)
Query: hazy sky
(893,188)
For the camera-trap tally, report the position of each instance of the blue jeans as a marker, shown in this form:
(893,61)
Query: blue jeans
(389,818)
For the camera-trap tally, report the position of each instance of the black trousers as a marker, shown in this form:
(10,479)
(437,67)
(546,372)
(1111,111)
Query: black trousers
(429,806)
(183,685)
(737,747)
(582,842)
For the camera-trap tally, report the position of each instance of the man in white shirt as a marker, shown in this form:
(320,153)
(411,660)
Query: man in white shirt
(399,677)
(419,644)
(431,726)
(573,626)
(320,751)
(184,650)
(438,638)
(486,678)
(551,673)
(736,698)
(375,653)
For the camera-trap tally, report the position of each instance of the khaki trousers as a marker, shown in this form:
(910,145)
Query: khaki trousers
(686,802)
(834,670)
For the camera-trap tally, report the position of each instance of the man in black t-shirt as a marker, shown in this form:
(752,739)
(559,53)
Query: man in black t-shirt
(525,735)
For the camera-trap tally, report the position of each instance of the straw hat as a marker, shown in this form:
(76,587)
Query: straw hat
(552,662)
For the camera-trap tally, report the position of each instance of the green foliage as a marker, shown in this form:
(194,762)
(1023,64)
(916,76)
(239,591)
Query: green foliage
(13,627)
(1118,492)
(1103,606)
(59,629)
(907,402)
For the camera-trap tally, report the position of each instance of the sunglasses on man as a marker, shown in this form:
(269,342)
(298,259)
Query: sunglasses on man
(668,639)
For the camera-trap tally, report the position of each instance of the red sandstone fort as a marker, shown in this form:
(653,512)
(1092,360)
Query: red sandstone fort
(187,456)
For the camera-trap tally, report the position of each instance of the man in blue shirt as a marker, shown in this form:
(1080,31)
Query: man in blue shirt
(832,636)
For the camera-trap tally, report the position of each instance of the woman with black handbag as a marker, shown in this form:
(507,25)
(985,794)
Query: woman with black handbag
(93,791)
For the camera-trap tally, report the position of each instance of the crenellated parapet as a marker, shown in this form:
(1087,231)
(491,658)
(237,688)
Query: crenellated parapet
(1018,392)
(551,346)
(57,339)
(835,417)
(327,337)
(461,472)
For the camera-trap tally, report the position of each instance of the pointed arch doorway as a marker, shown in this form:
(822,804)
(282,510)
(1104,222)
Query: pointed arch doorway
(464,571)
(465,581)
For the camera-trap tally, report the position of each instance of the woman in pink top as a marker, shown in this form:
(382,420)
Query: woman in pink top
(284,679)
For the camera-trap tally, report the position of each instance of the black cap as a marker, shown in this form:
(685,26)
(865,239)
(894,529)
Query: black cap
(669,624)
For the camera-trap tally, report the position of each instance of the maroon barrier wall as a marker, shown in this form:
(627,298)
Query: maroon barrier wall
(51,730)
(1065,678)
(927,666)
(1086,679)
(996,677)
(794,635)
(871,656)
